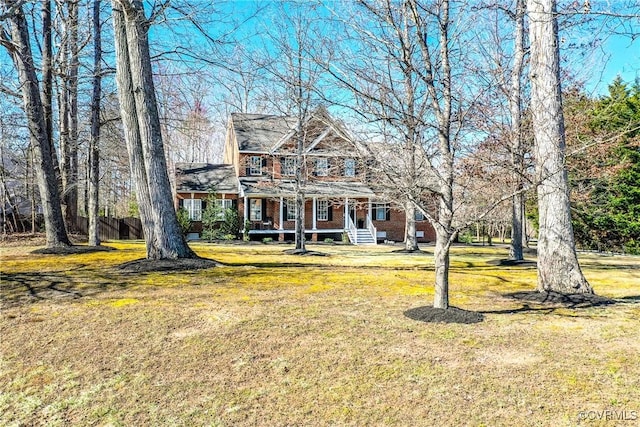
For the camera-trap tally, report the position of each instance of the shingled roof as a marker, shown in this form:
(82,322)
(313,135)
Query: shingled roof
(260,132)
(203,177)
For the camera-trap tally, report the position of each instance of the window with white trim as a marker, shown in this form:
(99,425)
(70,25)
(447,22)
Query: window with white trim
(289,166)
(255,209)
(381,212)
(322,210)
(291,209)
(194,208)
(322,167)
(223,205)
(255,165)
(349,167)
(419,216)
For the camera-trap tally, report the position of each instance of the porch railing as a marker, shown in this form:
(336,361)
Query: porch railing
(372,229)
(353,231)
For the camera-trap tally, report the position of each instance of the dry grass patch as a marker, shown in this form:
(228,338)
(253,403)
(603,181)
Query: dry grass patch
(272,339)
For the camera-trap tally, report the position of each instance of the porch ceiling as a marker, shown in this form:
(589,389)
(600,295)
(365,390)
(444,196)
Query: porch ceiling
(317,189)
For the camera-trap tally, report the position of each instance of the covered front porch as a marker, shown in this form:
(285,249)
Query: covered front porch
(270,212)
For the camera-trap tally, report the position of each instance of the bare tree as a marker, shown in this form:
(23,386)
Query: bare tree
(17,43)
(516,136)
(558,267)
(68,66)
(411,95)
(295,71)
(94,141)
(143,135)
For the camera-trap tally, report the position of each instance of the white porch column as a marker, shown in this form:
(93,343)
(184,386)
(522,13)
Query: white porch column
(246,209)
(346,213)
(281,218)
(315,211)
(370,210)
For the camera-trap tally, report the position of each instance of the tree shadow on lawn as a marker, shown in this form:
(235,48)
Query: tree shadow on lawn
(546,302)
(22,288)
(550,302)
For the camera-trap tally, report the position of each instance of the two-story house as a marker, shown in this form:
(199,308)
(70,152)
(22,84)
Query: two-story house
(260,172)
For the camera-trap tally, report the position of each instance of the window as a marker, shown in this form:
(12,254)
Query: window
(223,205)
(419,216)
(289,166)
(322,210)
(381,212)
(194,208)
(255,165)
(349,167)
(255,209)
(322,167)
(290,204)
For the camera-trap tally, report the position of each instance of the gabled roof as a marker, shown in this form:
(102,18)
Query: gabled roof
(203,177)
(263,133)
(260,132)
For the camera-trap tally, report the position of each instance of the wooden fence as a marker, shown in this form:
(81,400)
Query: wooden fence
(114,228)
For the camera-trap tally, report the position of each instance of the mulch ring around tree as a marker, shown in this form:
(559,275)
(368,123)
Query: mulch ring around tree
(512,263)
(429,314)
(565,300)
(72,250)
(154,265)
(410,252)
(304,252)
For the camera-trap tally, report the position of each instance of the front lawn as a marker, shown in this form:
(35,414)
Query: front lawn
(275,339)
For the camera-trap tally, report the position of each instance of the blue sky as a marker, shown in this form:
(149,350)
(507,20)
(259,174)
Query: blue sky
(623,59)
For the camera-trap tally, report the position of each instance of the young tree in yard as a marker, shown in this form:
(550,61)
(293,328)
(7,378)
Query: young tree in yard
(16,39)
(141,123)
(558,267)
(294,70)
(404,81)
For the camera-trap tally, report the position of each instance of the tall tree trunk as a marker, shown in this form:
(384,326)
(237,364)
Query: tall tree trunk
(130,126)
(94,141)
(20,50)
(517,156)
(558,267)
(142,125)
(71,185)
(47,81)
(299,187)
(410,240)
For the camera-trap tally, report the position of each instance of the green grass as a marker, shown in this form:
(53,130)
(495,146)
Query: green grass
(274,339)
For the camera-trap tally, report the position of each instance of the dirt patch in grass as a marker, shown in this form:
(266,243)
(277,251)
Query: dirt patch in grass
(152,265)
(430,314)
(71,250)
(564,300)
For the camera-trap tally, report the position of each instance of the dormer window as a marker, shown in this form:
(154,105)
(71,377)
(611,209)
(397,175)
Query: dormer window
(255,165)
(322,167)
